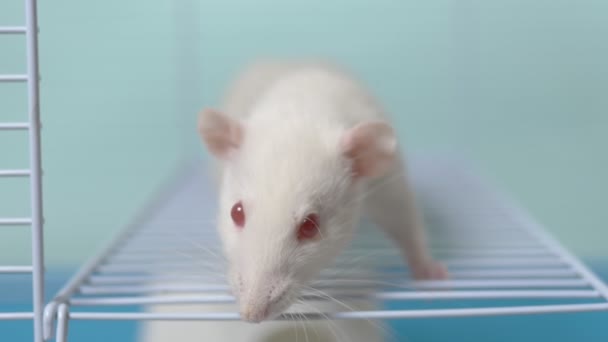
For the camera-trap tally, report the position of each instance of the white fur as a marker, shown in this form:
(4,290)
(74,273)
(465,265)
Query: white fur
(273,331)
(290,163)
(297,122)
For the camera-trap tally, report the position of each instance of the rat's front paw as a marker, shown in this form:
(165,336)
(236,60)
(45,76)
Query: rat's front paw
(430,270)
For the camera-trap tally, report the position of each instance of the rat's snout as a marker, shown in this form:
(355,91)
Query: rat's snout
(254,313)
(257,305)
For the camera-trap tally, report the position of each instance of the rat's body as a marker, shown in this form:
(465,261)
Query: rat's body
(293,139)
(304,139)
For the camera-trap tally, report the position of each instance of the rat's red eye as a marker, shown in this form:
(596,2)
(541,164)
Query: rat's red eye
(309,228)
(238,214)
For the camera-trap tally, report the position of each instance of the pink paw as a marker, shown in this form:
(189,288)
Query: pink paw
(431,270)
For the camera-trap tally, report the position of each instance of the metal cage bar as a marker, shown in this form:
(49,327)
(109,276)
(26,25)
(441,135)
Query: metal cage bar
(17,221)
(13,78)
(161,259)
(34,172)
(14,173)
(14,126)
(12,30)
(33,89)
(385,314)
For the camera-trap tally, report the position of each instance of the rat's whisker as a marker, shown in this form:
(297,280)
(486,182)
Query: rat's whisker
(326,295)
(303,323)
(199,246)
(296,328)
(331,325)
(345,267)
(331,298)
(313,325)
(374,282)
(210,251)
(202,247)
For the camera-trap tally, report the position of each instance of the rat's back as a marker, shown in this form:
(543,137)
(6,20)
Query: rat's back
(303,101)
(278,99)
(318,89)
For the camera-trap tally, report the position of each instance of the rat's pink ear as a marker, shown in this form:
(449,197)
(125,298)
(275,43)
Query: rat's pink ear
(372,147)
(220,133)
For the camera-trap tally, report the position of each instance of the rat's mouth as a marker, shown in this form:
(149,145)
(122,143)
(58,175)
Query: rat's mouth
(264,311)
(257,314)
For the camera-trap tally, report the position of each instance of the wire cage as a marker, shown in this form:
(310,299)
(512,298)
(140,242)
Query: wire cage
(31,127)
(493,250)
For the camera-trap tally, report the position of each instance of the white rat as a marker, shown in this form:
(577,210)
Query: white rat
(303,150)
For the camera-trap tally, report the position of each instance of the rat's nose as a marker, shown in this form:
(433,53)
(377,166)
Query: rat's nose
(258,305)
(254,313)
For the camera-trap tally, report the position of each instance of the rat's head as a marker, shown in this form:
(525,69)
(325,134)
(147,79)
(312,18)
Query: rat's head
(289,200)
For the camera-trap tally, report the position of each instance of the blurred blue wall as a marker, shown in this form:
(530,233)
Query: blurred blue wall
(519,86)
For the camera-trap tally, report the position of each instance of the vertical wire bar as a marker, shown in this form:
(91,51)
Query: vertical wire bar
(63,321)
(31,20)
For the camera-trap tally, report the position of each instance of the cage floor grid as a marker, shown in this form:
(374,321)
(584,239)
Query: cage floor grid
(493,251)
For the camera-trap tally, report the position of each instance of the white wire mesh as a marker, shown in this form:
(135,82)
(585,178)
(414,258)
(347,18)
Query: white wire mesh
(32,126)
(500,262)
